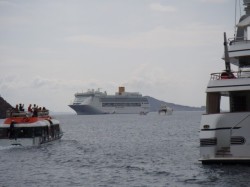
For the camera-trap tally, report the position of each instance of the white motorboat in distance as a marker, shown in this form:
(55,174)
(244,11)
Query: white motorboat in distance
(164,109)
(225,136)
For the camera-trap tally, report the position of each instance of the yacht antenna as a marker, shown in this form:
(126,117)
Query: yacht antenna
(227,61)
(235,15)
(240,8)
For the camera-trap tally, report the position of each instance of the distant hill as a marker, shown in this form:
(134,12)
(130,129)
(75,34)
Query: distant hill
(4,105)
(155,105)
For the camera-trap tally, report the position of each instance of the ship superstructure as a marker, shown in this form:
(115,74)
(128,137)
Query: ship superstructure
(97,102)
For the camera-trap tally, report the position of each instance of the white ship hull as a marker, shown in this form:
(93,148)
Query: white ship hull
(227,139)
(92,110)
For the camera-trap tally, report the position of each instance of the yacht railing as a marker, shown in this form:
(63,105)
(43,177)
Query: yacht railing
(232,75)
(238,40)
(13,113)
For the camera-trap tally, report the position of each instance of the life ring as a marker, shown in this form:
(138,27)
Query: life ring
(226,75)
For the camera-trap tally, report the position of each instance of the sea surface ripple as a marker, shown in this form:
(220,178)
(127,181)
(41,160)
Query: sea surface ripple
(119,150)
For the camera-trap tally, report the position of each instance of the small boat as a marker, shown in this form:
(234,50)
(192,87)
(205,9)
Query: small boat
(29,129)
(143,113)
(165,110)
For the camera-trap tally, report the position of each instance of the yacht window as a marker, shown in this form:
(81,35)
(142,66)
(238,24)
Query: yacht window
(225,103)
(244,61)
(228,102)
(240,101)
(213,102)
(247,33)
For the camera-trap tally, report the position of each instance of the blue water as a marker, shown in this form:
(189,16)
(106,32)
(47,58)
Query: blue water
(119,150)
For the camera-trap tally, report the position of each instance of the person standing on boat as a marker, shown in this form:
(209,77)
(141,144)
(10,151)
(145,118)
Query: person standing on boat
(35,112)
(16,109)
(29,108)
(34,106)
(21,107)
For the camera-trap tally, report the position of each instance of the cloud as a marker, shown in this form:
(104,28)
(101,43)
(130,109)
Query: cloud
(6,3)
(162,8)
(14,83)
(161,83)
(186,35)
(14,21)
(213,1)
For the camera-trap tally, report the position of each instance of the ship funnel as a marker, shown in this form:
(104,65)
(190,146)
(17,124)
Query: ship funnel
(227,61)
(121,90)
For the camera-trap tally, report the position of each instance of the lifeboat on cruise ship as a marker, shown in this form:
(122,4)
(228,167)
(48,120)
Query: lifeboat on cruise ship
(29,129)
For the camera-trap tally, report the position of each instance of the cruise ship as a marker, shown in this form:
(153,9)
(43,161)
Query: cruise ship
(96,102)
(225,134)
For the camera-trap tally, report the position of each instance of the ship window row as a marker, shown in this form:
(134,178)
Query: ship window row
(80,99)
(228,102)
(121,104)
(116,100)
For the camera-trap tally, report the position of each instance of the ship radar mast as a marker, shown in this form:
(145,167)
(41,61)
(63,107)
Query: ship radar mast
(227,61)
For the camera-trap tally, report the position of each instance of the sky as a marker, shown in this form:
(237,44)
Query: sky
(51,49)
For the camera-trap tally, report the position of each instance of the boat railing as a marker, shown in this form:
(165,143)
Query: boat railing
(231,75)
(43,113)
(238,40)
(14,113)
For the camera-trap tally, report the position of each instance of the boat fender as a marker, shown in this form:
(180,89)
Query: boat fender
(226,75)
(49,128)
(50,122)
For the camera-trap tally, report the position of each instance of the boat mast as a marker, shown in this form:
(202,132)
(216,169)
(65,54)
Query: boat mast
(227,61)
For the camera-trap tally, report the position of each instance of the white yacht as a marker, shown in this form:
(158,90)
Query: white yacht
(97,102)
(165,110)
(225,135)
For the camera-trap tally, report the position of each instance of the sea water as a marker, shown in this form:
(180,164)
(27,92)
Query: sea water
(119,150)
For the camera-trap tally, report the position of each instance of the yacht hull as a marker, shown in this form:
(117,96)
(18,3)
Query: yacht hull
(224,138)
(26,142)
(226,161)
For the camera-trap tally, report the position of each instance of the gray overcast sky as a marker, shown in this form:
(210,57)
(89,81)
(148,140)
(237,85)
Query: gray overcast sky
(50,49)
